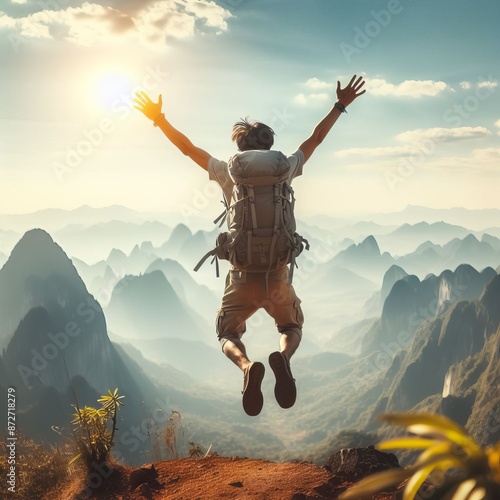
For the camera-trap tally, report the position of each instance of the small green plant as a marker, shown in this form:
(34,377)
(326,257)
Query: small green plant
(452,464)
(91,433)
(195,450)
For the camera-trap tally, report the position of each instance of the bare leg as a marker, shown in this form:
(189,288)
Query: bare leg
(285,389)
(252,379)
(236,352)
(289,342)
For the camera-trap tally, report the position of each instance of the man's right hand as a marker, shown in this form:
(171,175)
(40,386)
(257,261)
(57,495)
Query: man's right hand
(153,111)
(145,105)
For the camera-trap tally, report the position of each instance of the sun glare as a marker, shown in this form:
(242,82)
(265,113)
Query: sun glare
(111,87)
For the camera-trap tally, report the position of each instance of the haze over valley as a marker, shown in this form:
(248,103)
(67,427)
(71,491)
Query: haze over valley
(399,316)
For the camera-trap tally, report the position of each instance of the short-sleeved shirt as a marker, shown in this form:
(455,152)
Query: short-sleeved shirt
(218,171)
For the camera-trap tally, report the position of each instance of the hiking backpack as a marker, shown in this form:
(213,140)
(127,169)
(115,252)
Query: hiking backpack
(260,216)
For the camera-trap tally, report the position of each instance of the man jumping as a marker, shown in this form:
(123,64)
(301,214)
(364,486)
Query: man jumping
(245,291)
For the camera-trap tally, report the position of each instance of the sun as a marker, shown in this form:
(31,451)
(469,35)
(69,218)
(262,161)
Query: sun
(111,86)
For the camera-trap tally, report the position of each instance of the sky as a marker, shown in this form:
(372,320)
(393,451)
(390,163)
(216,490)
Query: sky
(426,132)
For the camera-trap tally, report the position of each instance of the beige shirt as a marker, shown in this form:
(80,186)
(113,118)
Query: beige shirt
(218,172)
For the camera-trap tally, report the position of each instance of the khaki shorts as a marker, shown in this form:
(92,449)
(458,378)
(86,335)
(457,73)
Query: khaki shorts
(245,293)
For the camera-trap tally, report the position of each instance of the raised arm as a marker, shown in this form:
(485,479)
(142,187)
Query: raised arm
(345,97)
(152,110)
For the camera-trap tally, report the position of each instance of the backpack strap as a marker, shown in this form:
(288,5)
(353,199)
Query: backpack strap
(206,256)
(278,217)
(223,215)
(253,211)
(299,241)
(222,248)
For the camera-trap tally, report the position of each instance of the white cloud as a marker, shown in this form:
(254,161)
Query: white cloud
(322,96)
(487,84)
(385,151)
(6,21)
(317,91)
(487,153)
(300,99)
(303,99)
(408,88)
(443,134)
(416,141)
(484,84)
(152,23)
(316,84)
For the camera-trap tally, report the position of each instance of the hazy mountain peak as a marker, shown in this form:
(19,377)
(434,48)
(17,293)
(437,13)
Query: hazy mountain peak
(116,255)
(36,252)
(470,238)
(181,231)
(391,276)
(37,273)
(36,240)
(490,298)
(147,246)
(370,244)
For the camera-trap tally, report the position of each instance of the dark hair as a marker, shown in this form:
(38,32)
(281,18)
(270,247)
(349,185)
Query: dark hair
(252,135)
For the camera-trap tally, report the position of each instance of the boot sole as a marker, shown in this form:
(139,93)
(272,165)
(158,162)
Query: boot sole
(253,400)
(285,390)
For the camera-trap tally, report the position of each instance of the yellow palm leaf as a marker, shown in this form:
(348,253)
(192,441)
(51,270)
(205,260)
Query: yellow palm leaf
(433,421)
(423,470)
(439,449)
(436,426)
(493,454)
(375,482)
(464,490)
(410,443)
(416,481)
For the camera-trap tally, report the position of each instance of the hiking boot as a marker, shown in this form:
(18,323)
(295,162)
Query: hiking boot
(252,395)
(284,390)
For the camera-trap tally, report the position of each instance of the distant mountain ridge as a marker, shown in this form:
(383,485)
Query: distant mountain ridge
(147,307)
(429,257)
(411,301)
(463,342)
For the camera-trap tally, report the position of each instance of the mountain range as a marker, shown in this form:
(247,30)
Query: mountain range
(356,360)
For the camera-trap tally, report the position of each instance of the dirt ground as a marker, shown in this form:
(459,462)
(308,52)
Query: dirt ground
(215,478)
